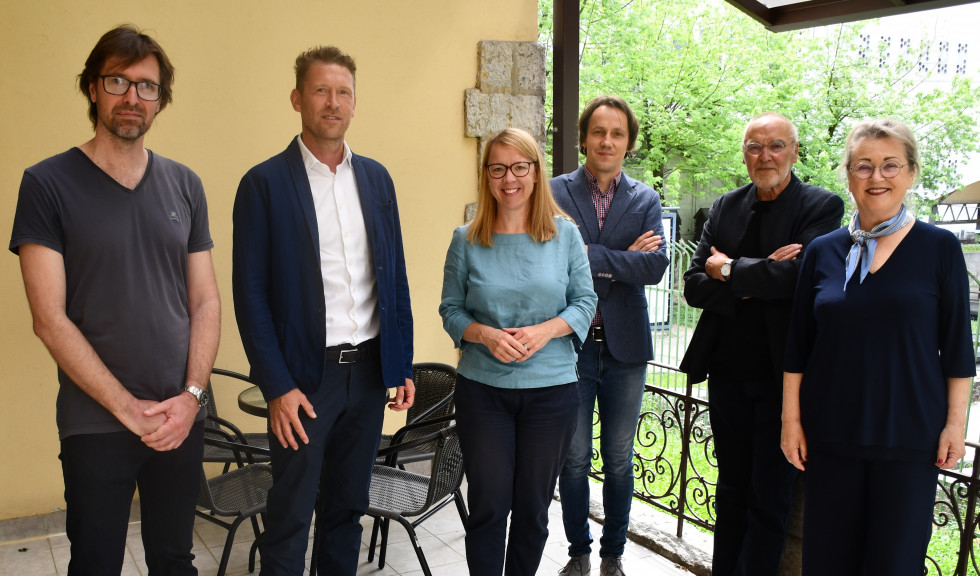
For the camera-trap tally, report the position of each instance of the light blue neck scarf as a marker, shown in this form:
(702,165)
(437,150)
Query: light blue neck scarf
(863,249)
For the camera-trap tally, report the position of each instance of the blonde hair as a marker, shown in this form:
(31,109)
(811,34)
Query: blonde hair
(542,208)
(883,128)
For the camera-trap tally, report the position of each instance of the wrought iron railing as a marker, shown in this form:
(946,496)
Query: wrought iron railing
(675,466)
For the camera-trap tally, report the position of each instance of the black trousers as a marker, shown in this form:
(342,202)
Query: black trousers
(349,407)
(755,482)
(866,517)
(514,445)
(102,472)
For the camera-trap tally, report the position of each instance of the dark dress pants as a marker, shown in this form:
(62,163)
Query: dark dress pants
(349,407)
(514,444)
(866,517)
(102,472)
(755,482)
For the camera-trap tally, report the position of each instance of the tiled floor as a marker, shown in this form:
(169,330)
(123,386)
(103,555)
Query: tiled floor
(441,538)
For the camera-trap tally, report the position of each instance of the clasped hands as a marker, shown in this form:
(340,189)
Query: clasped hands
(165,425)
(515,344)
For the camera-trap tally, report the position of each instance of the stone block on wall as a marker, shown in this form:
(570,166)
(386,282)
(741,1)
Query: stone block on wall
(496,70)
(529,66)
(488,113)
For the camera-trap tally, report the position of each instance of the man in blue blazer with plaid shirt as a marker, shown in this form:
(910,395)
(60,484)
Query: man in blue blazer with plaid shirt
(322,303)
(620,221)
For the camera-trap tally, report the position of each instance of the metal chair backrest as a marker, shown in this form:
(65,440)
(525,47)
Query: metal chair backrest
(435,384)
(447,466)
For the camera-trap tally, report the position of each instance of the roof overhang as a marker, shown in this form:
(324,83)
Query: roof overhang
(969,194)
(784,15)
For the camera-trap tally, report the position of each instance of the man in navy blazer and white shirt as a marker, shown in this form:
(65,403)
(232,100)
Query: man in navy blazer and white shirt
(322,303)
(621,223)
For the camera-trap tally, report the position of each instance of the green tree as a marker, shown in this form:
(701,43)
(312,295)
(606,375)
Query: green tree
(695,72)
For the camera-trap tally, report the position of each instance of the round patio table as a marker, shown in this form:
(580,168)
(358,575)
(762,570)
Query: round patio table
(252,402)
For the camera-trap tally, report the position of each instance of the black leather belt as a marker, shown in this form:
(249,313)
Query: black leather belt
(350,354)
(597,333)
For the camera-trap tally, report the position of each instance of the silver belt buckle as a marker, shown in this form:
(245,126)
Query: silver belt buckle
(341,359)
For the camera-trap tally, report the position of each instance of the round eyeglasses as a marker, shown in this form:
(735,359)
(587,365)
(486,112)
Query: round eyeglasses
(864,170)
(518,169)
(117,86)
(775,148)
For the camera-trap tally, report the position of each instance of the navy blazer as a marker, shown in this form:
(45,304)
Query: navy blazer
(278,287)
(619,276)
(802,213)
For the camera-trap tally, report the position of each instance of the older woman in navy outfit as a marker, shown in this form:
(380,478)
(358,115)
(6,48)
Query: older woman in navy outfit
(516,294)
(878,369)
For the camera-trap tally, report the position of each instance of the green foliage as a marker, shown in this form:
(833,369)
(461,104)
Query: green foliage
(696,72)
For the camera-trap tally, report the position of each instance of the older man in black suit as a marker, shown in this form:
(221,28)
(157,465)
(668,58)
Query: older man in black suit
(743,276)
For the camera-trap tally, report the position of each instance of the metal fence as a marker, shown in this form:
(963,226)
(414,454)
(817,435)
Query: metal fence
(674,462)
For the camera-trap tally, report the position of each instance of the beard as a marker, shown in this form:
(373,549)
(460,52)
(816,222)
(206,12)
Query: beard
(128,129)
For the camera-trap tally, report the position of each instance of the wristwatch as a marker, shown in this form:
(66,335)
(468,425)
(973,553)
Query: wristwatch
(726,270)
(196,392)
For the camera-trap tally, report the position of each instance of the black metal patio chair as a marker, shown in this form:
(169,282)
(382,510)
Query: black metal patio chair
(239,494)
(222,429)
(398,495)
(435,385)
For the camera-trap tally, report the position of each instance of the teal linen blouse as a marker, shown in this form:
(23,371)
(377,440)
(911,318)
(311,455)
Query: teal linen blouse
(518,282)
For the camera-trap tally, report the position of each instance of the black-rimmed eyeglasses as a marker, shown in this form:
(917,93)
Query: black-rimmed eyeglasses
(117,86)
(518,169)
(864,170)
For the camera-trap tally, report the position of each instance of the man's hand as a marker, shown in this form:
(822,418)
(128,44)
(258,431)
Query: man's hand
(646,242)
(712,266)
(404,397)
(787,252)
(284,418)
(180,412)
(137,421)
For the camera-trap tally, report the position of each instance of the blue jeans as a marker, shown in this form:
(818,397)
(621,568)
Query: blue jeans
(618,388)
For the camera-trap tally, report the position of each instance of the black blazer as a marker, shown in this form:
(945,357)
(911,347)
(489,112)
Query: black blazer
(803,213)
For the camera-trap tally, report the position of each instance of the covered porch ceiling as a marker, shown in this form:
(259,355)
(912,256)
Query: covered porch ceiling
(783,15)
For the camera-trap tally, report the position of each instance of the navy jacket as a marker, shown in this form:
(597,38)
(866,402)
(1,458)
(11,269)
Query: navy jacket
(276,278)
(804,212)
(619,276)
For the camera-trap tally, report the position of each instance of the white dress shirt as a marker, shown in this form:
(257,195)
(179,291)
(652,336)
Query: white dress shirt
(350,287)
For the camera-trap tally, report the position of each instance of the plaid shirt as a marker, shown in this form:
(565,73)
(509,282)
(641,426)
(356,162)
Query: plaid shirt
(601,200)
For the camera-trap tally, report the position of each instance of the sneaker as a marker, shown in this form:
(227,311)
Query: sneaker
(611,567)
(577,566)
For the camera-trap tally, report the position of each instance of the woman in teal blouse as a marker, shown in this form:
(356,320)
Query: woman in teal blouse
(516,299)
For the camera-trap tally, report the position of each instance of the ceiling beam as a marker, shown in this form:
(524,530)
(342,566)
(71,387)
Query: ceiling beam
(811,13)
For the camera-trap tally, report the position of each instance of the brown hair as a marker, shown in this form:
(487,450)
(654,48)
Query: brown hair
(612,102)
(129,45)
(326,55)
(543,208)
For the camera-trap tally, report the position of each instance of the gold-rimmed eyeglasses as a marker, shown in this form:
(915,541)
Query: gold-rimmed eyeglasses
(888,169)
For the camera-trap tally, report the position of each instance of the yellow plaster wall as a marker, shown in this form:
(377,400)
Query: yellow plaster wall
(231,110)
